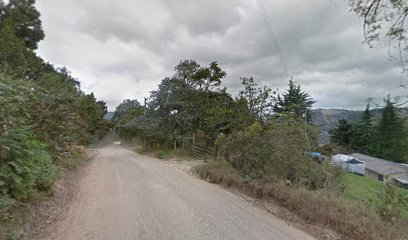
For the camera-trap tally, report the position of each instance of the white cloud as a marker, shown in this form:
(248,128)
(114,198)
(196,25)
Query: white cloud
(122,49)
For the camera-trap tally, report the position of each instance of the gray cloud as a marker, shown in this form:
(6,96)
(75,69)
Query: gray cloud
(121,49)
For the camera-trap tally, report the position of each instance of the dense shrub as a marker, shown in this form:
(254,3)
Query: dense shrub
(39,121)
(43,113)
(278,150)
(391,203)
(26,167)
(161,153)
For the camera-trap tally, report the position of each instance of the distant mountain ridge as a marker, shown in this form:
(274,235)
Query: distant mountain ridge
(327,119)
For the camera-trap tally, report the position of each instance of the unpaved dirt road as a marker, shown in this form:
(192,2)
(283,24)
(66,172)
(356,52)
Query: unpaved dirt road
(126,195)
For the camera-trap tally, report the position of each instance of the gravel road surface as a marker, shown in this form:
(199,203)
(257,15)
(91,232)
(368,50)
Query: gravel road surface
(125,195)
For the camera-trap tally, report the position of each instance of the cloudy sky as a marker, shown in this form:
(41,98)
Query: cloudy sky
(122,49)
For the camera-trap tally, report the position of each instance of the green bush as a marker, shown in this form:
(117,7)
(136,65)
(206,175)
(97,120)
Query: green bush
(162,153)
(392,203)
(43,113)
(278,151)
(26,166)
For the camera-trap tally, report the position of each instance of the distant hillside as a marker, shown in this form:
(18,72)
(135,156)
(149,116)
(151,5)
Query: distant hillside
(327,119)
(109,116)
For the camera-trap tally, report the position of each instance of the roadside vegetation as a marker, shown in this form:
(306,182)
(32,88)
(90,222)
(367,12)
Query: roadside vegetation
(372,192)
(258,139)
(351,219)
(386,137)
(256,142)
(43,114)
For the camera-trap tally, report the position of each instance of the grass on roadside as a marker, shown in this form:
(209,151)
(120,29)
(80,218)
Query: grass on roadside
(17,213)
(164,153)
(366,190)
(352,219)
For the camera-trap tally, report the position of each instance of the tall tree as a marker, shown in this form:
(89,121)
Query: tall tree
(127,111)
(171,106)
(26,21)
(186,71)
(294,102)
(392,135)
(342,134)
(43,112)
(199,78)
(260,101)
(364,134)
(12,50)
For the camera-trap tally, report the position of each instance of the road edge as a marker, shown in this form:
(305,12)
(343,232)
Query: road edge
(45,215)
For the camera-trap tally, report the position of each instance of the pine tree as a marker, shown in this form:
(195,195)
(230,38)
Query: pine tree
(391,134)
(294,102)
(342,134)
(364,134)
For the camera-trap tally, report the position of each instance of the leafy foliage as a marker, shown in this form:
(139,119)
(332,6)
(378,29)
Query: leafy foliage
(25,20)
(260,143)
(123,118)
(387,138)
(276,151)
(189,101)
(127,111)
(391,202)
(26,167)
(260,100)
(43,112)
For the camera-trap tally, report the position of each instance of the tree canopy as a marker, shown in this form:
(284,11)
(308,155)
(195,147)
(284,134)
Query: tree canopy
(43,111)
(192,101)
(385,19)
(25,20)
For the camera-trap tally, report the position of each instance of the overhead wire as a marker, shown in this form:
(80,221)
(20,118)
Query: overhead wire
(273,35)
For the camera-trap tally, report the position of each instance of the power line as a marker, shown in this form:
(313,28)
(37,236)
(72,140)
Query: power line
(272,34)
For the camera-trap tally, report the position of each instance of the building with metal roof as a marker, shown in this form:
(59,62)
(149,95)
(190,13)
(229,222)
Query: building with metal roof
(384,170)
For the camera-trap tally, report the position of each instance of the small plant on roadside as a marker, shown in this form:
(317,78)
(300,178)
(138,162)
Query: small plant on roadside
(392,203)
(162,153)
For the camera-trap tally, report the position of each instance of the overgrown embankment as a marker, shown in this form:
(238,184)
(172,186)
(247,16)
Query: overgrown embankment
(50,210)
(348,218)
(269,163)
(43,114)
